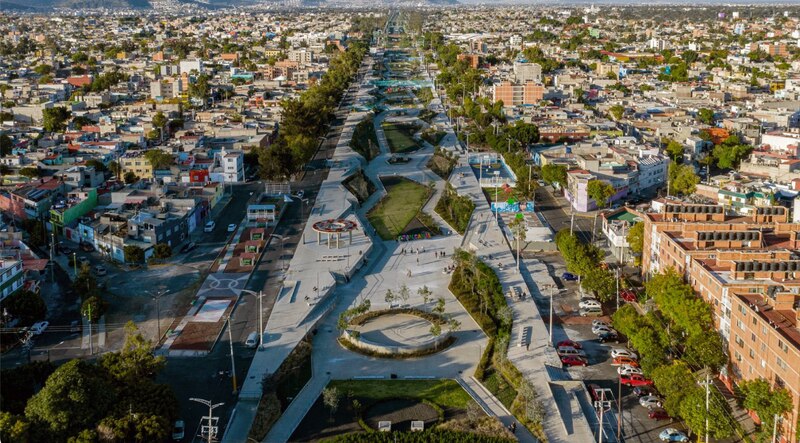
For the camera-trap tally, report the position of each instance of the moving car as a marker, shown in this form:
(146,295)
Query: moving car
(39,327)
(178,430)
(188,247)
(209,227)
(628,370)
(658,414)
(620,352)
(100,270)
(573,360)
(650,401)
(231,227)
(569,343)
(634,380)
(624,361)
(672,434)
(569,276)
(590,312)
(252,340)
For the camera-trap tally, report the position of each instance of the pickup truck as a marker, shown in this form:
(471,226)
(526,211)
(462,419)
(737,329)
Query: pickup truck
(634,380)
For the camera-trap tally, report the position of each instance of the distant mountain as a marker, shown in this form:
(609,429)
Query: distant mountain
(44,5)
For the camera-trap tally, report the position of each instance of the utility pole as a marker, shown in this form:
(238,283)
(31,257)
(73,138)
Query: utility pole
(52,258)
(551,315)
(571,220)
(233,362)
(602,409)
(775,428)
(211,432)
(617,286)
(708,392)
(91,346)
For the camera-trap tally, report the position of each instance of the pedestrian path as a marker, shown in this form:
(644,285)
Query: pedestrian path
(492,406)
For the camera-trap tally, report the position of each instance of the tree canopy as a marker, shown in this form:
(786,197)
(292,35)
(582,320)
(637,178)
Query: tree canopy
(682,179)
(600,192)
(555,173)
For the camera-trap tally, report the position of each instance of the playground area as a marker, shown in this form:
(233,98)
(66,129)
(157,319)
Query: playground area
(491,170)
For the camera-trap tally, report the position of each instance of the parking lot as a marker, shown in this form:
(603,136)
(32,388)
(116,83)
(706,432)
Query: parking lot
(636,425)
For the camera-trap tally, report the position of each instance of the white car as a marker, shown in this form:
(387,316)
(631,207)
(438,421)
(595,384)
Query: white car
(178,430)
(619,352)
(628,370)
(39,327)
(209,227)
(597,330)
(231,227)
(650,401)
(589,303)
(596,323)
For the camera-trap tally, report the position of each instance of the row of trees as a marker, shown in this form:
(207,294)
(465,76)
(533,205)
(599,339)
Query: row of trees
(114,399)
(583,260)
(305,119)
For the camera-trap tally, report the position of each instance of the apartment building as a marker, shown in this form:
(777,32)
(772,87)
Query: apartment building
(471,59)
(136,162)
(11,276)
(748,270)
(525,72)
(514,94)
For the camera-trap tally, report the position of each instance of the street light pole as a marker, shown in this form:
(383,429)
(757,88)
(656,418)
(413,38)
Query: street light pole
(259,295)
(233,362)
(211,408)
(157,297)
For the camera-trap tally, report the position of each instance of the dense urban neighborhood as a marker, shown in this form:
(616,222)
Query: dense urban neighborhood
(300,221)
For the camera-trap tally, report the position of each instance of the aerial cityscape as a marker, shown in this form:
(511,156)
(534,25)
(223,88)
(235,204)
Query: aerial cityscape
(415,221)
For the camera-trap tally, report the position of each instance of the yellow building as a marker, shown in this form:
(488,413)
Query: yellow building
(137,163)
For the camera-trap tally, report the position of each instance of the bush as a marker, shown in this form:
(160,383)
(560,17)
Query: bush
(133,254)
(455,209)
(162,251)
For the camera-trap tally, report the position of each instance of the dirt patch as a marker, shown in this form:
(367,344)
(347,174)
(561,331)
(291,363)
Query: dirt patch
(197,336)
(401,412)
(359,185)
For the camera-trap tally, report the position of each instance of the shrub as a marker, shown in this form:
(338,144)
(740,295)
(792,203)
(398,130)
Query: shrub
(455,209)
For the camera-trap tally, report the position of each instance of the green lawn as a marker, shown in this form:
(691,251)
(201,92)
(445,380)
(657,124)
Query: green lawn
(404,198)
(399,137)
(501,389)
(445,393)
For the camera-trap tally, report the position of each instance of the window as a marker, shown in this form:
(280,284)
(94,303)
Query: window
(753,336)
(737,356)
(755,321)
(752,353)
(783,346)
(781,364)
(763,329)
(739,324)
(739,341)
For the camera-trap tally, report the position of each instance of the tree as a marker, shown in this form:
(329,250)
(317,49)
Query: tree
(730,152)
(159,120)
(693,411)
(601,282)
(81,121)
(76,396)
(404,293)
(555,173)
(706,349)
(635,237)
(96,164)
(672,382)
(4,171)
(425,293)
(765,401)
(439,308)
(682,179)
(390,297)
(706,116)
(135,361)
(13,428)
(674,150)
(330,398)
(162,251)
(616,111)
(27,306)
(54,119)
(276,162)
(158,158)
(133,254)
(30,172)
(525,133)
(6,145)
(130,177)
(115,168)
(93,308)
(85,285)
(600,192)
(436,329)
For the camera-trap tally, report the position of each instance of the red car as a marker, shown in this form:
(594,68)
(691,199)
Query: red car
(634,380)
(627,295)
(570,344)
(658,414)
(572,360)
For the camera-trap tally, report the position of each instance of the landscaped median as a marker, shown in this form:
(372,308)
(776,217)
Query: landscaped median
(478,289)
(400,211)
(351,410)
(400,137)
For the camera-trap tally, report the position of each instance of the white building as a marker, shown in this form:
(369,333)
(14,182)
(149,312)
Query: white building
(301,56)
(781,140)
(231,166)
(11,276)
(515,41)
(187,66)
(652,170)
(524,72)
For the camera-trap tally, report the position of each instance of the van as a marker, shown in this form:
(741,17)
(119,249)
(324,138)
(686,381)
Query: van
(252,340)
(209,227)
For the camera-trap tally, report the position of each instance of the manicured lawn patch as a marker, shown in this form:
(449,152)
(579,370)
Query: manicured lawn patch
(403,200)
(445,393)
(399,137)
(498,386)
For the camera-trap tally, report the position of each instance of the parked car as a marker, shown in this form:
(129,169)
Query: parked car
(621,352)
(650,401)
(600,328)
(672,434)
(39,327)
(231,227)
(574,360)
(641,391)
(607,336)
(188,247)
(565,351)
(209,227)
(86,247)
(590,303)
(178,430)
(83,261)
(598,323)
(627,370)
(569,343)
(252,340)
(569,276)
(628,295)
(64,249)
(658,414)
(75,326)
(634,380)
(100,270)
(627,361)
(590,312)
